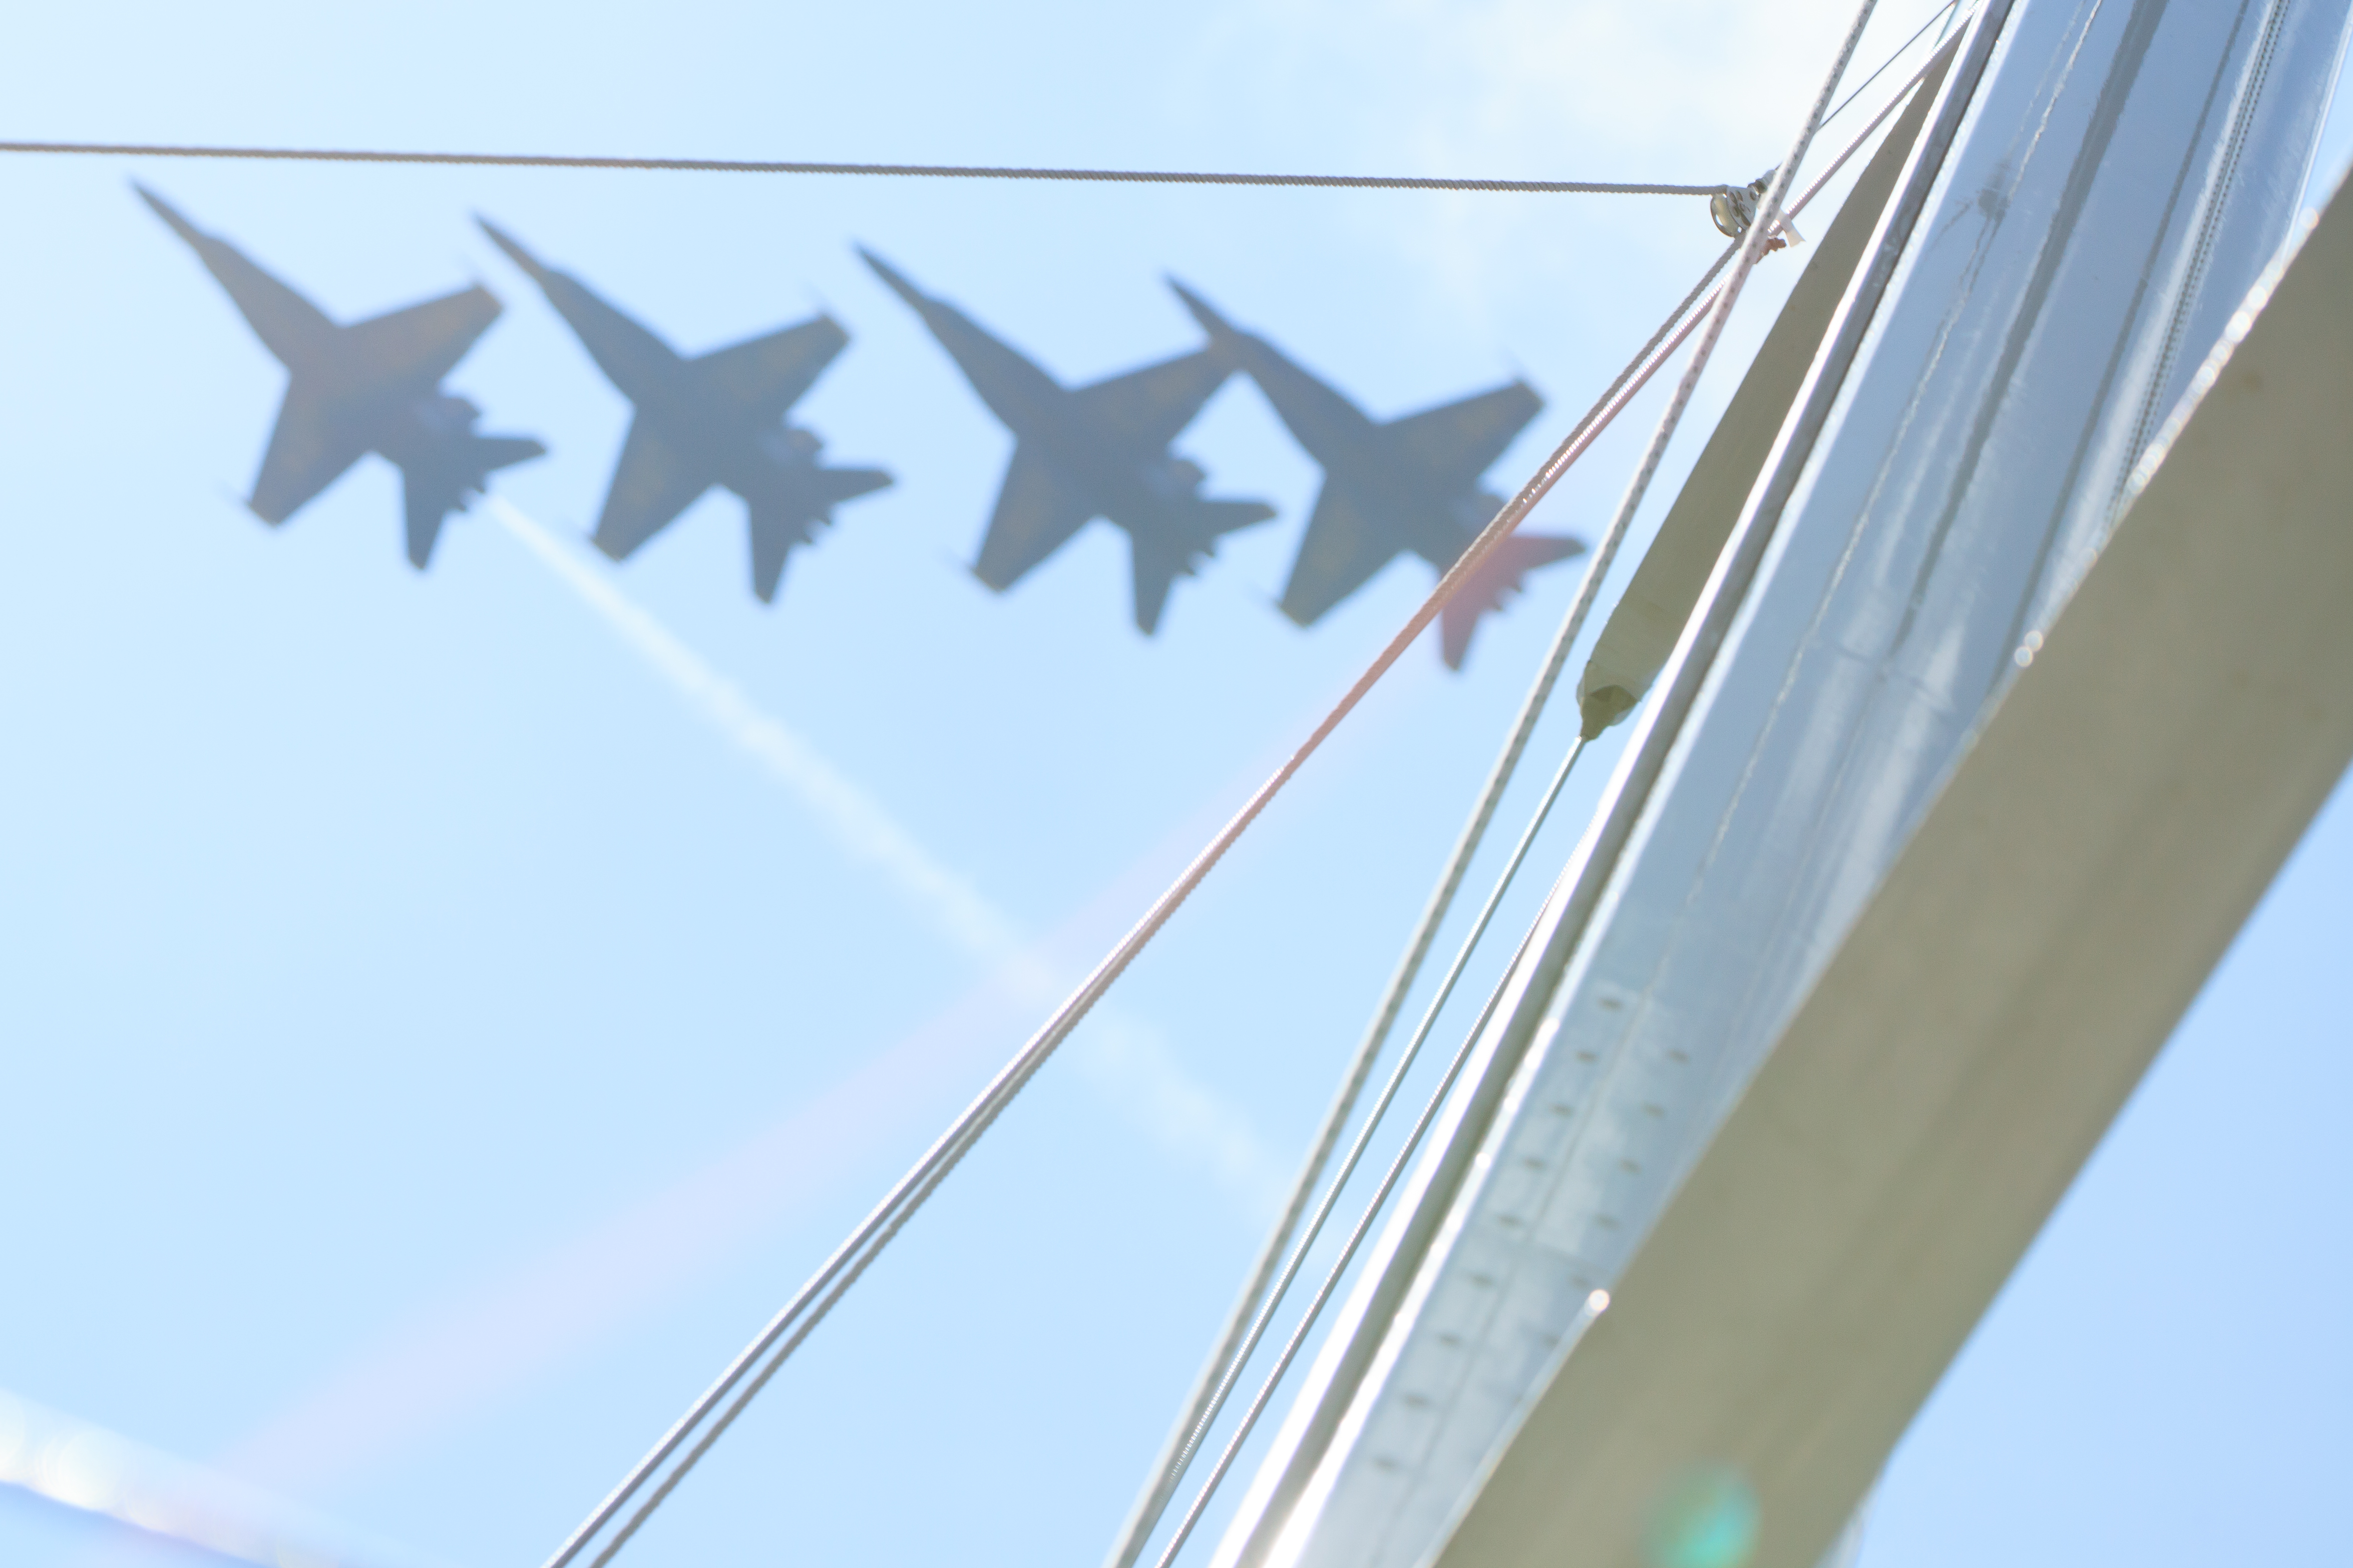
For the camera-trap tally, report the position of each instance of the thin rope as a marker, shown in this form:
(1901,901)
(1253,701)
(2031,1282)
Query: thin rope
(1331,1282)
(1751,250)
(1944,10)
(890,171)
(1192,1425)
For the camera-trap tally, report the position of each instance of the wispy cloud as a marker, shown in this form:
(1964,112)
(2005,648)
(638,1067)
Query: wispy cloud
(1681,91)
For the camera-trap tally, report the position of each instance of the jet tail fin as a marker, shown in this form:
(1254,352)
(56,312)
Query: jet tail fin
(1155,573)
(898,281)
(427,505)
(495,452)
(1156,569)
(531,266)
(836,484)
(433,488)
(1496,580)
(1215,519)
(776,528)
(774,531)
(1223,334)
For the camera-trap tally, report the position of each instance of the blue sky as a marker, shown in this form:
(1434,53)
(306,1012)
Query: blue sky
(436,1041)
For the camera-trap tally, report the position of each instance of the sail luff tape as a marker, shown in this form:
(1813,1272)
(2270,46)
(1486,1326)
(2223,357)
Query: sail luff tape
(1390,1090)
(1397,1169)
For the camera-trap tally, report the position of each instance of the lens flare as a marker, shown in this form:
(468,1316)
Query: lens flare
(1704,1517)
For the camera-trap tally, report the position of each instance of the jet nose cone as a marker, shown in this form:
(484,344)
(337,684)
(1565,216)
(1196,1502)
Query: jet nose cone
(890,275)
(1231,345)
(1216,326)
(515,252)
(167,212)
(1196,306)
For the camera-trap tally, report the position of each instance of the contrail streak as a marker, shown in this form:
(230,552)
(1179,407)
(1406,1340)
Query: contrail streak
(859,827)
(484,1342)
(1129,1061)
(490,1339)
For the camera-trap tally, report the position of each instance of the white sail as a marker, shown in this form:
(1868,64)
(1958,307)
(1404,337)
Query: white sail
(2118,176)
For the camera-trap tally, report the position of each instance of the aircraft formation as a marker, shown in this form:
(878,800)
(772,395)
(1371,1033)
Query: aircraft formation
(1405,486)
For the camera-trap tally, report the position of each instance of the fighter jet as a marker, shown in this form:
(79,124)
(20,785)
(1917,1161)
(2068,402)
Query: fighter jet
(1093,451)
(716,419)
(1410,484)
(372,386)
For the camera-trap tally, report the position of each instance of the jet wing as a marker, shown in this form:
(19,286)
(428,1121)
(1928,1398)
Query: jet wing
(1457,442)
(290,326)
(652,484)
(1037,511)
(1339,554)
(416,346)
(768,375)
(309,450)
(776,528)
(1148,408)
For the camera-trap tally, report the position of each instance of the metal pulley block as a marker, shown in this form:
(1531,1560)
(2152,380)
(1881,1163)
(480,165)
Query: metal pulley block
(1734,208)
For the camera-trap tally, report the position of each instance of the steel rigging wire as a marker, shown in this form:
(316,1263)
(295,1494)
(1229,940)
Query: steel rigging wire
(906,171)
(1944,10)
(888,170)
(909,171)
(1200,1412)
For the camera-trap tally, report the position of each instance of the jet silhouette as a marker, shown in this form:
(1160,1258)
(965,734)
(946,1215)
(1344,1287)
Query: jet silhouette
(371,386)
(1093,451)
(1409,484)
(716,419)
